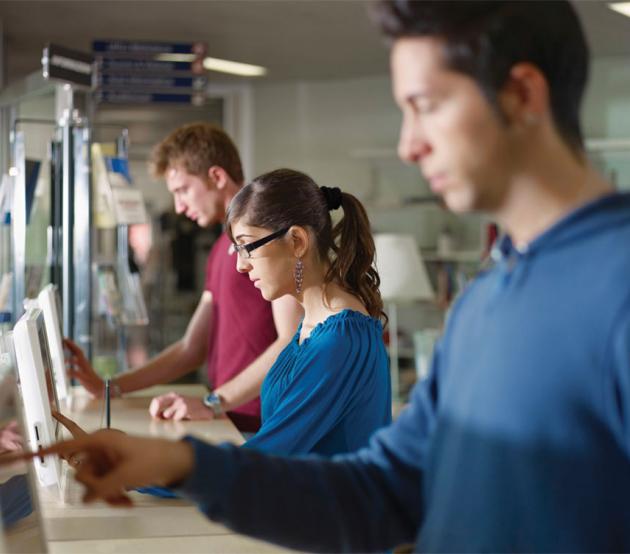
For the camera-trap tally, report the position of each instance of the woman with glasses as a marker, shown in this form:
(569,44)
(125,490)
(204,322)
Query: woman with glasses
(329,389)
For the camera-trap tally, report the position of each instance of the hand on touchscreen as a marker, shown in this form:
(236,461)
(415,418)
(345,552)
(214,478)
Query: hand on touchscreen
(80,368)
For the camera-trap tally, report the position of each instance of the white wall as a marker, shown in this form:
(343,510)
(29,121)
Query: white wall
(322,127)
(325,128)
(606,110)
(606,114)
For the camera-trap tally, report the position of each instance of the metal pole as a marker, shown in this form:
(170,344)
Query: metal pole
(393,350)
(18,225)
(67,224)
(82,233)
(56,213)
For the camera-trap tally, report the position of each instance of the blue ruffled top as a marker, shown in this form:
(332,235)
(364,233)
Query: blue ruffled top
(328,394)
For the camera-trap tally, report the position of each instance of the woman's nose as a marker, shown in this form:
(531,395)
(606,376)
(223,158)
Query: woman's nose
(242,265)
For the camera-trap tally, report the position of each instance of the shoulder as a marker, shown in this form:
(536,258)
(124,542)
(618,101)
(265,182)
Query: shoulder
(345,331)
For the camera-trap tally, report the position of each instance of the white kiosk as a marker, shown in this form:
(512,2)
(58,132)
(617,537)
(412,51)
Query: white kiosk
(21,527)
(38,393)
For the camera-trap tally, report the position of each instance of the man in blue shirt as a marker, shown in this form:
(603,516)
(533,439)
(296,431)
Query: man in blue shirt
(519,438)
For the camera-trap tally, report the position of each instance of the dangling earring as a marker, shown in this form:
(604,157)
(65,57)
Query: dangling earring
(298,274)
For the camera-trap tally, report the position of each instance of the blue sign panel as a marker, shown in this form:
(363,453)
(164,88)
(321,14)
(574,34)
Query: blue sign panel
(131,97)
(128,47)
(113,65)
(150,82)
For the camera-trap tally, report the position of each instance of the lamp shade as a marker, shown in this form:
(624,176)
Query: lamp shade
(400,266)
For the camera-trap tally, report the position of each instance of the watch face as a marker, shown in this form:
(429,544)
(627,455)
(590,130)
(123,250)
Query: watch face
(213,401)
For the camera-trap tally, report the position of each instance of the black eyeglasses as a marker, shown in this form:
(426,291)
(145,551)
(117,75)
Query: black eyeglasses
(245,250)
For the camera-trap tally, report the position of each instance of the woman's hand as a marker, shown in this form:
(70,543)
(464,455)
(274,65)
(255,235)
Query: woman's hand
(177,407)
(70,425)
(112,462)
(80,368)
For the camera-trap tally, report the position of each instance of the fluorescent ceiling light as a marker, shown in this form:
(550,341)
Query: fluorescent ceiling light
(236,68)
(621,7)
(175,57)
(215,64)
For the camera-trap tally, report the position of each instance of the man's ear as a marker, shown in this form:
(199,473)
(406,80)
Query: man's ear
(300,240)
(524,98)
(218,176)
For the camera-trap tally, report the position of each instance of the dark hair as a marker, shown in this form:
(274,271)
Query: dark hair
(485,39)
(285,197)
(197,147)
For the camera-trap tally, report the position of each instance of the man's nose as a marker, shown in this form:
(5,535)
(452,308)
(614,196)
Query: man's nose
(412,143)
(180,207)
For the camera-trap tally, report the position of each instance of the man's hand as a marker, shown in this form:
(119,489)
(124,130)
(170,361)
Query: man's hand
(74,458)
(112,462)
(178,407)
(80,368)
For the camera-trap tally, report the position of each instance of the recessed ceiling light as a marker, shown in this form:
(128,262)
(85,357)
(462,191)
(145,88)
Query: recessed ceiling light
(621,7)
(236,68)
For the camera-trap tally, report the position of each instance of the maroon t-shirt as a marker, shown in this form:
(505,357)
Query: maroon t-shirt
(242,323)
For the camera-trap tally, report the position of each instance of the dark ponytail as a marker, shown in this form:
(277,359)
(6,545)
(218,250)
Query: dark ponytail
(285,197)
(352,263)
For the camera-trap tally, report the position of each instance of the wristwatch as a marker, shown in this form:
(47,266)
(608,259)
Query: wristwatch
(214,402)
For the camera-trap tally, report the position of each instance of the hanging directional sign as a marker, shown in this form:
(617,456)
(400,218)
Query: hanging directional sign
(138,72)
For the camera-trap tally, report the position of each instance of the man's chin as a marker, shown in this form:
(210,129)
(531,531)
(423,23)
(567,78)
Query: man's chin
(459,203)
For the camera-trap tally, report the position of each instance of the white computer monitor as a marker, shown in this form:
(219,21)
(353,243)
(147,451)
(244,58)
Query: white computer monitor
(49,303)
(39,394)
(21,528)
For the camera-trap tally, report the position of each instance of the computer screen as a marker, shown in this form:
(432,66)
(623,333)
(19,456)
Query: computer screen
(49,302)
(48,370)
(21,528)
(38,392)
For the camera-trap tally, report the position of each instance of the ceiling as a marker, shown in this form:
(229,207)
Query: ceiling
(294,39)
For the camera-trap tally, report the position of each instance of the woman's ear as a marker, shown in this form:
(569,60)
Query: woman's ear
(300,240)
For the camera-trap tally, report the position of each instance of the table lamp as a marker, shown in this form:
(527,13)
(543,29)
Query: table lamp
(404,278)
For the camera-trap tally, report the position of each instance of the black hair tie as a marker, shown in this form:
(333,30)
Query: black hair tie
(333,197)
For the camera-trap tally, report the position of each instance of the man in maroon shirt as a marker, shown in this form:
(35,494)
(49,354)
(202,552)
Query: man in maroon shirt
(234,328)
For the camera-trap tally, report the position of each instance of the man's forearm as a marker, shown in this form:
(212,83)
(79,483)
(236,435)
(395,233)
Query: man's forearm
(359,504)
(246,385)
(170,364)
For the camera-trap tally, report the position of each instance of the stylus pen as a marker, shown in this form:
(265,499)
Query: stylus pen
(107,408)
